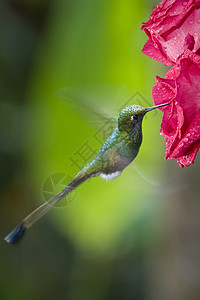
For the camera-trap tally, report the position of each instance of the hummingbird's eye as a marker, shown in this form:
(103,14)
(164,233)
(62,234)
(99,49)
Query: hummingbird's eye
(134,117)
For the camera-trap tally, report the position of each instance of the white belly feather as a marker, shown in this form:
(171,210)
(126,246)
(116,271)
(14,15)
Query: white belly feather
(110,176)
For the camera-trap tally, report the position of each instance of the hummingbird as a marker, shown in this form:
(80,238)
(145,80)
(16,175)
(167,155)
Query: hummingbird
(117,152)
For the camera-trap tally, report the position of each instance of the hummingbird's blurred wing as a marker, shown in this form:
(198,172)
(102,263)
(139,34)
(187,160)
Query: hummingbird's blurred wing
(151,170)
(146,169)
(100,103)
(163,185)
(91,103)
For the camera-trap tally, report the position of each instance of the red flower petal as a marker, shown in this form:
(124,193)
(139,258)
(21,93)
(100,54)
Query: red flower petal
(181,119)
(170,25)
(190,139)
(152,50)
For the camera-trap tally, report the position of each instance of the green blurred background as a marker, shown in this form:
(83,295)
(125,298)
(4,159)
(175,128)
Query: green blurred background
(136,237)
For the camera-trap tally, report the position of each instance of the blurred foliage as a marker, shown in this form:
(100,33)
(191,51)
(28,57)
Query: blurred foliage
(103,244)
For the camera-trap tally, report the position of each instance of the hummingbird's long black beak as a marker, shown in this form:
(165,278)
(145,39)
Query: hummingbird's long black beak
(157,106)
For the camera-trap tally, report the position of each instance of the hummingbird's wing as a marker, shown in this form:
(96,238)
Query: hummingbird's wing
(100,103)
(91,103)
(150,171)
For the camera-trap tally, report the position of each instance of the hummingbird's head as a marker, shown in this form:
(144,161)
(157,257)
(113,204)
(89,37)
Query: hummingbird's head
(132,115)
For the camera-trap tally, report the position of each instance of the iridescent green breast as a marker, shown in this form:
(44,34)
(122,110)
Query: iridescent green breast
(118,151)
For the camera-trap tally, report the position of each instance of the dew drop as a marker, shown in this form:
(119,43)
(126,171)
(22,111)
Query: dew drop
(184,3)
(198,21)
(197,58)
(191,22)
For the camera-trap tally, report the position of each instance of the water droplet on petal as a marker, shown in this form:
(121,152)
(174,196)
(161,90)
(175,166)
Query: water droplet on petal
(198,21)
(197,57)
(184,3)
(191,22)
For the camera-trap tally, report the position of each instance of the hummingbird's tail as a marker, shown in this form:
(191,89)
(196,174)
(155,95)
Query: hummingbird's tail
(18,232)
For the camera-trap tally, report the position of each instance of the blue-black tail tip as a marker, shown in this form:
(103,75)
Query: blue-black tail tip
(16,234)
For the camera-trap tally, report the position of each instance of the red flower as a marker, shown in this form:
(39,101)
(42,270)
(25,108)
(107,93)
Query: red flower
(181,119)
(173,27)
